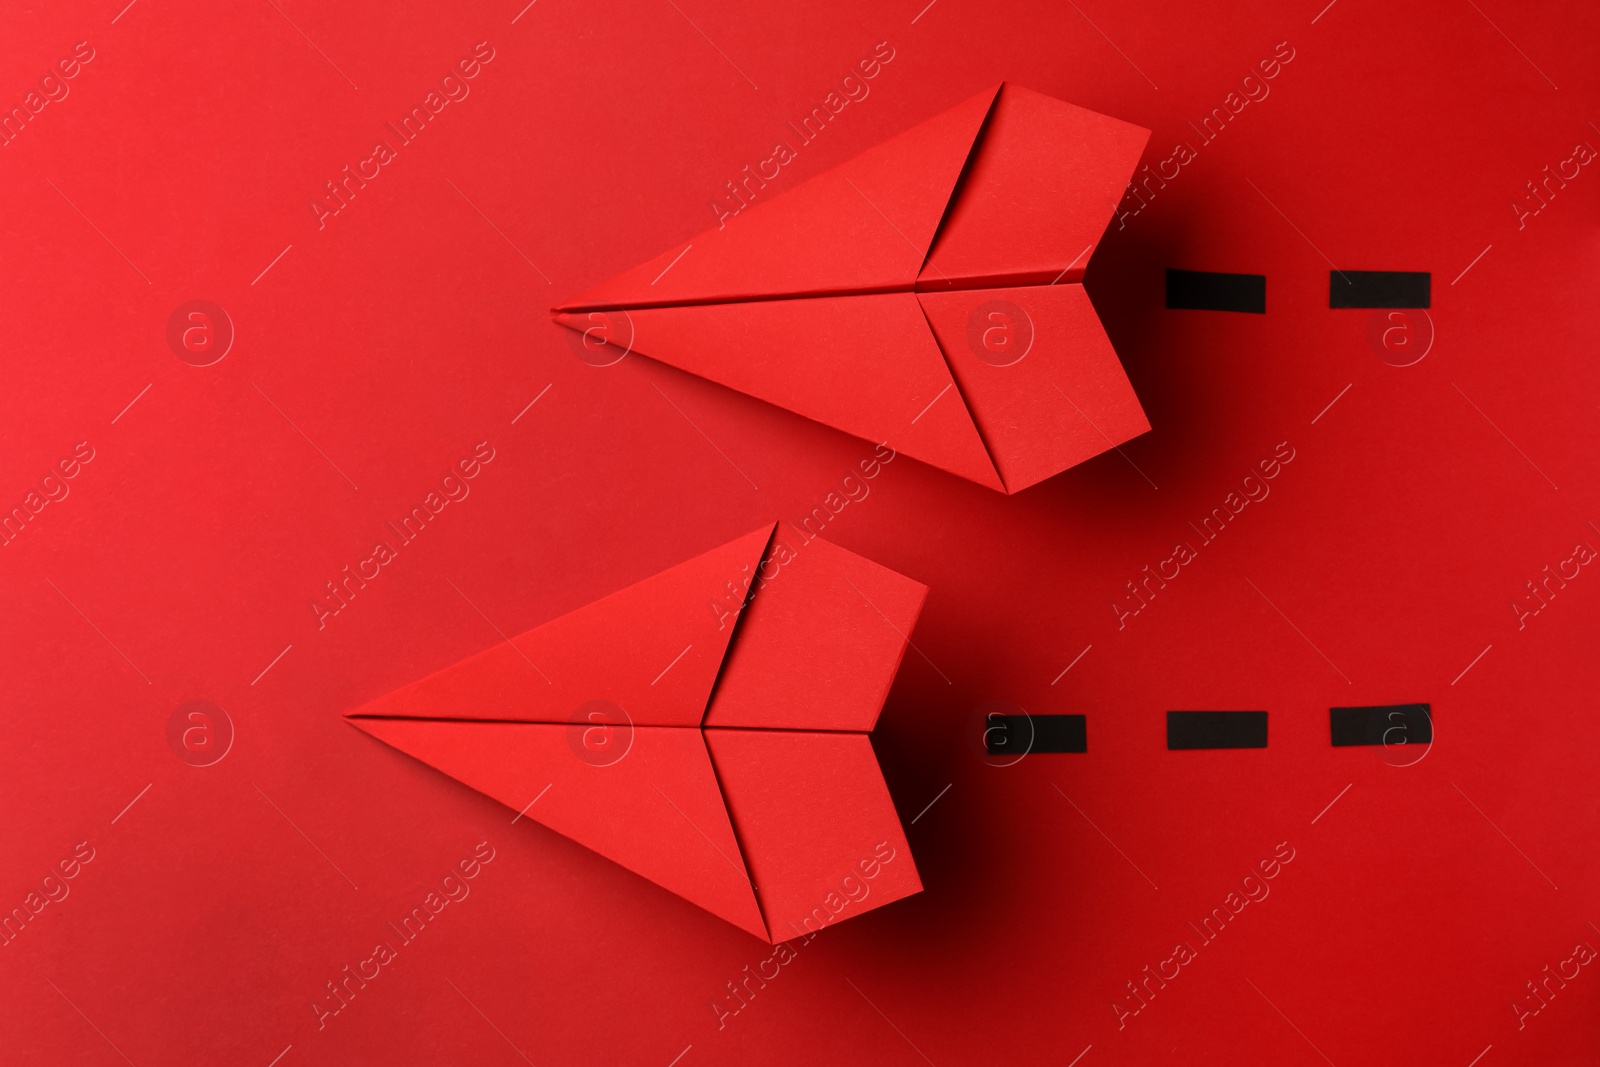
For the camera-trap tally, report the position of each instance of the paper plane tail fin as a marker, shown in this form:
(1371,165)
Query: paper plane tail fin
(1044,385)
(1043,182)
(821,831)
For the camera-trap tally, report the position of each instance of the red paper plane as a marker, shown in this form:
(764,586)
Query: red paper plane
(705,728)
(927,293)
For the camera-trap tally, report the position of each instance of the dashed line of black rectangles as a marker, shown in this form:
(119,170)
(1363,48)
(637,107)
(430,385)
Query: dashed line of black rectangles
(1203,290)
(1379,724)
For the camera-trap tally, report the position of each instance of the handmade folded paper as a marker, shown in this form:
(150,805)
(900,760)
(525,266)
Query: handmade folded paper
(705,728)
(927,293)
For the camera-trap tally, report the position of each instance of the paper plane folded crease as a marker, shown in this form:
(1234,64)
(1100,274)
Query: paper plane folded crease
(705,728)
(926,294)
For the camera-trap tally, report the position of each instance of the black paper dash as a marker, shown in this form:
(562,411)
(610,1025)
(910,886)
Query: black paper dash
(1200,290)
(1216,729)
(1008,735)
(1378,288)
(1383,724)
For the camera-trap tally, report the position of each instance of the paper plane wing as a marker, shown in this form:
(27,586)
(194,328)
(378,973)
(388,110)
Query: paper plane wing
(657,810)
(804,300)
(867,365)
(862,226)
(652,649)
(799,639)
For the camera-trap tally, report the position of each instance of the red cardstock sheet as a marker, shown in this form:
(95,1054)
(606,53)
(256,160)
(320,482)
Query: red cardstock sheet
(1181,419)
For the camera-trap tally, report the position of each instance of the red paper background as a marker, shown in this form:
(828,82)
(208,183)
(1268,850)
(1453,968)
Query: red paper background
(412,327)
